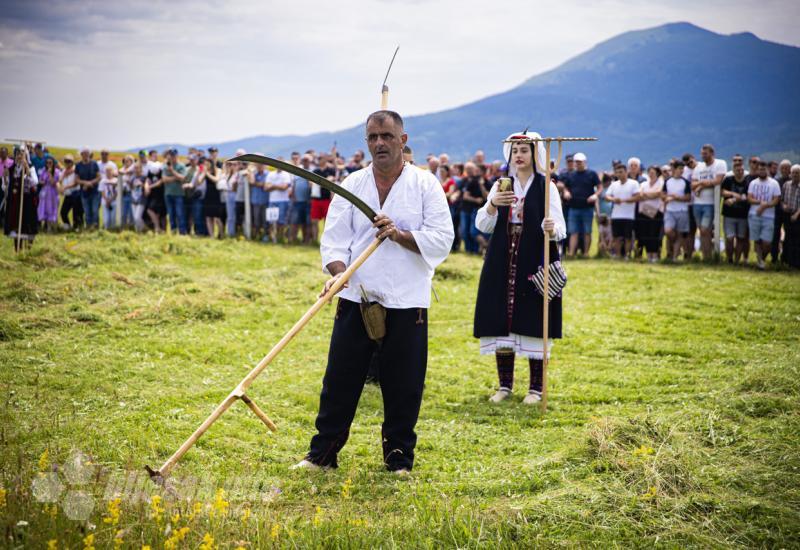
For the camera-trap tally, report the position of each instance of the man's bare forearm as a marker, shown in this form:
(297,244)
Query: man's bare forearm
(406,240)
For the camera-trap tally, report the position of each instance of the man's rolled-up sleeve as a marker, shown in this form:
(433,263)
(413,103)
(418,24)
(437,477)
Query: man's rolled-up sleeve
(435,238)
(337,238)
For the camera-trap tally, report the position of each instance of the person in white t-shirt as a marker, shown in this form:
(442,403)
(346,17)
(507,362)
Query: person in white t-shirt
(705,177)
(677,194)
(278,183)
(624,193)
(763,194)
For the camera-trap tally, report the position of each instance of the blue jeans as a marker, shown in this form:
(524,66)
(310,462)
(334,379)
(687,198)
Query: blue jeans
(230,212)
(110,215)
(196,206)
(91,207)
(704,214)
(469,231)
(175,212)
(127,211)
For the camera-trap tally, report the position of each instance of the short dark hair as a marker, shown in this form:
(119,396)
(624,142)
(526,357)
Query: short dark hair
(678,164)
(407,150)
(708,146)
(687,157)
(384,114)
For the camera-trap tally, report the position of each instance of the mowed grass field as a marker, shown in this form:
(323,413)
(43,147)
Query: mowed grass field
(674,417)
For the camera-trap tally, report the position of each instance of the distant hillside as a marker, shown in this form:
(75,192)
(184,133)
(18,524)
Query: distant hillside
(654,93)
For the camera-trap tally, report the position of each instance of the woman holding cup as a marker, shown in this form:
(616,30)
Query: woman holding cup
(508,317)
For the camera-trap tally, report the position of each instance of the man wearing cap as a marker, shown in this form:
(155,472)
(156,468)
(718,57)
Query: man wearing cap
(172,176)
(579,194)
(38,157)
(563,172)
(88,176)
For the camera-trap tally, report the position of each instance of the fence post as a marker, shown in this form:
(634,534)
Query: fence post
(119,200)
(248,214)
(717,241)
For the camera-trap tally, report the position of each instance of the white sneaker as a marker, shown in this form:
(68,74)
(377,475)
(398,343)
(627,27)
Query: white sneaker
(500,395)
(761,265)
(306,464)
(532,398)
(402,472)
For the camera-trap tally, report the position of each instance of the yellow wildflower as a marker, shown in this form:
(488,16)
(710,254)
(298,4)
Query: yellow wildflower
(176,517)
(317,517)
(44,460)
(651,493)
(275,532)
(2,498)
(220,505)
(112,516)
(346,488)
(177,536)
(197,507)
(88,542)
(644,450)
(146,547)
(246,514)
(52,544)
(156,509)
(208,542)
(118,539)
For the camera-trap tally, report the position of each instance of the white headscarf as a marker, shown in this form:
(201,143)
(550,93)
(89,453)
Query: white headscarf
(540,158)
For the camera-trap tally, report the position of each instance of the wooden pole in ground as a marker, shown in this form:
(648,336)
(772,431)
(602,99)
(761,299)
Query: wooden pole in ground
(546,279)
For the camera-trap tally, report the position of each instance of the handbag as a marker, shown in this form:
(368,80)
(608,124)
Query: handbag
(648,210)
(557,282)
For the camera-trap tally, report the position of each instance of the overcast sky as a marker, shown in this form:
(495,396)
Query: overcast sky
(125,74)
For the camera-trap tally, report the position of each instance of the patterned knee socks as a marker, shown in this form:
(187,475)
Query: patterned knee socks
(505,368)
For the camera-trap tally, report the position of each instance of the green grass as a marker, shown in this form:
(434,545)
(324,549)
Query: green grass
(673,418)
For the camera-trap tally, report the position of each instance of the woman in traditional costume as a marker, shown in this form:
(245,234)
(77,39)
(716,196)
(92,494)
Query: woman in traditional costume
(22,180)
(508,312)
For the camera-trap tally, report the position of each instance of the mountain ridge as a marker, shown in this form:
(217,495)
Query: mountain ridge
(655,93)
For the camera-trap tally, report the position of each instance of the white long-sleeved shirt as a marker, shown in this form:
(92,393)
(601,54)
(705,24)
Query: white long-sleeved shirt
(485,222)
(394,276)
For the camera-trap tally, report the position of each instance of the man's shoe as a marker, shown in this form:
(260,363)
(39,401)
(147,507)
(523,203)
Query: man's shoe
(306,464)
(402,472)
(500,395)
(532,398)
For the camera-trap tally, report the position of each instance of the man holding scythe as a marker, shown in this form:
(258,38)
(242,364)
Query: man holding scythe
(383,307)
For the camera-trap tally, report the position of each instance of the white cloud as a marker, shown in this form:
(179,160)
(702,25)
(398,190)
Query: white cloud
(116,75)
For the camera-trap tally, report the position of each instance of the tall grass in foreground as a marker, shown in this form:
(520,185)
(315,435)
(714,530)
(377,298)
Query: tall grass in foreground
(673,414)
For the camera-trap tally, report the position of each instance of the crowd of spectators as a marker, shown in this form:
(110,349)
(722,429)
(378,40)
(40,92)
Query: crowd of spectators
(666,212)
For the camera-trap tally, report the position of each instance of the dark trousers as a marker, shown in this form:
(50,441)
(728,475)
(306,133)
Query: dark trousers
(403,358)
(791,244)
(72,203)
(776,233)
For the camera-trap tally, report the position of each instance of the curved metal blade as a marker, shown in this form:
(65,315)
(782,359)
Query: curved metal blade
(310,176)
